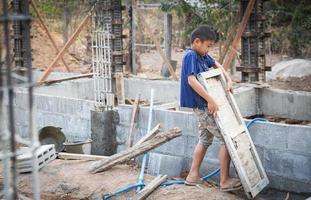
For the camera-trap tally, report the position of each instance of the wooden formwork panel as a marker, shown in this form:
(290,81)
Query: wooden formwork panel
(232,127)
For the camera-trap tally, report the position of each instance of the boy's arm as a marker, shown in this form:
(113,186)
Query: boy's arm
(198,88)
(229,81)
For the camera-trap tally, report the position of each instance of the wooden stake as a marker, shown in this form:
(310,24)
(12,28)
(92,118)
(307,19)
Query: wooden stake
(120,87)
(160,138)
(237,37)
(157,43)
(35,8)
(133,122)
(229,39)
(67,78)
(67,45)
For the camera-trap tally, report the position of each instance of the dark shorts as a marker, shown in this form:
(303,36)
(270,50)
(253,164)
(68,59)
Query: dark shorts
(207,128)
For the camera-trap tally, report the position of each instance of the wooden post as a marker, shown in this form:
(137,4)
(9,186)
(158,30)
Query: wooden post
(35,8)
(120,87)
(133,123)
(132,39)
(67,45)
(102,165)
(230,37)
(158,46)
(167,41)
(237,37)
(66,21)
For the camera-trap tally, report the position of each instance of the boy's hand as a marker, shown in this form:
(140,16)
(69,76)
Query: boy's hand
(230,86)
(212,107)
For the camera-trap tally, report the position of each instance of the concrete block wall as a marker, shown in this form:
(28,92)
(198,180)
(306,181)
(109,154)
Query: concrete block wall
(164,90)
(72,115)
(285,153)
(284,103)
(282,148)
(271,101)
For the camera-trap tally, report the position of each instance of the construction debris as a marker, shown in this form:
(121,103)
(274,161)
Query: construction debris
(44,154)
(74,156)
(150,187)
(149,135)
(126,155)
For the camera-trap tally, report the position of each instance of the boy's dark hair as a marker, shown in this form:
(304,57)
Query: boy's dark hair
(204,33)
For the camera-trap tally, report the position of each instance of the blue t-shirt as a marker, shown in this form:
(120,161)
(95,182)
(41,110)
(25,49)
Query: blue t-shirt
(193,64)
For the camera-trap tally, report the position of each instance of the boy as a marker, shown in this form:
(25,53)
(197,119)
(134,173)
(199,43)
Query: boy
(193,95)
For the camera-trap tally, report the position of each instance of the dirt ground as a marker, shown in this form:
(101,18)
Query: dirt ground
(70,179)
(43,51)
(296,84)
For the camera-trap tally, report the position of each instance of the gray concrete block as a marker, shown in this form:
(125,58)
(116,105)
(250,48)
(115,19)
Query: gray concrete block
(288,184)
(299,139)
(269,135)
(297,103)
(164,90)
(176,146)
(288,165)
(121,148)
(246,100)
(125,114)
(122,133)
(164,164)
(192,141)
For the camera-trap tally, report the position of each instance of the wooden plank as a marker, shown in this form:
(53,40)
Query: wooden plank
(154,184)
(235,133)
(167,106)
(133,122)
(160,138)
(74,156)
(35,8)
(149,135)
(67,45)
(157,43)
(67,79)
(237,37)
(230,38)
(120,87)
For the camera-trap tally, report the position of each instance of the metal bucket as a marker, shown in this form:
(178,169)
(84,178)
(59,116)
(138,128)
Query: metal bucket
(52,135)
(80,147)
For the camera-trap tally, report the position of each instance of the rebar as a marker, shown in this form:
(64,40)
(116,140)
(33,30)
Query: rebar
(9,81)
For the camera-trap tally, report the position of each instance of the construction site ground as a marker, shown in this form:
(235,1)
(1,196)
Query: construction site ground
(70,179)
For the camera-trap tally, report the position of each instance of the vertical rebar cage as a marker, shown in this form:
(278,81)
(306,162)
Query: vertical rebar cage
(107,56)
(16,73)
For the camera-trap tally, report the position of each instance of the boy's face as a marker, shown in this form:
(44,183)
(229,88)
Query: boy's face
(202,47)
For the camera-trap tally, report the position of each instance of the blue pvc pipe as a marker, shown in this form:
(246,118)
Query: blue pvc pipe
(172,183)
(213,173)
(143,165)
(255,120)
(126,189)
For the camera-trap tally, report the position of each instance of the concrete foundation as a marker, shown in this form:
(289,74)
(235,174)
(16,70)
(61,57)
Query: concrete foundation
(284,149)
